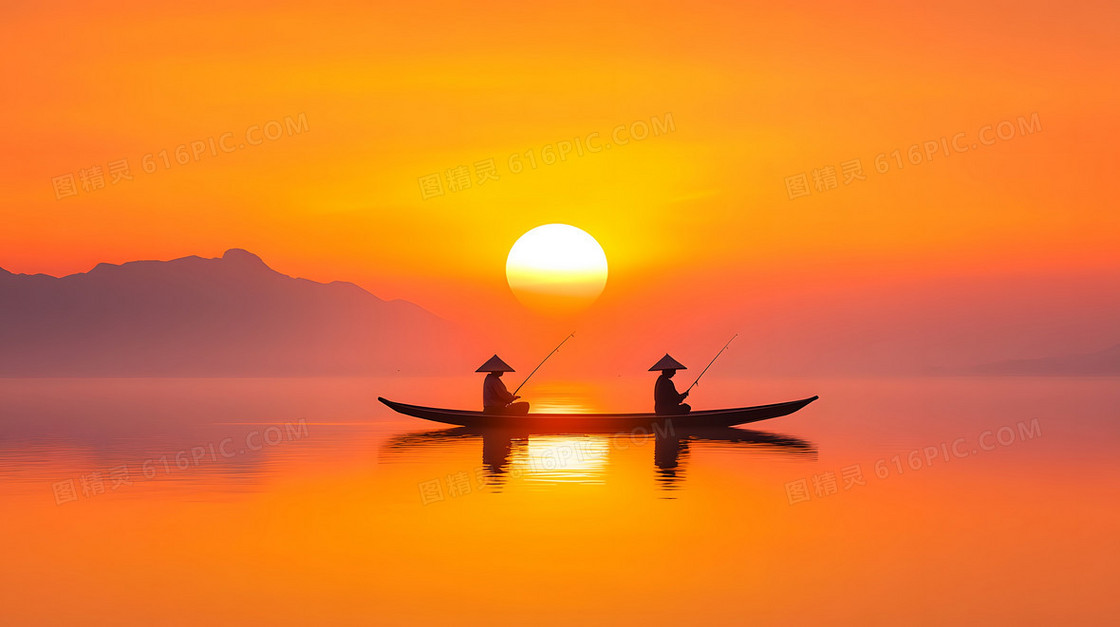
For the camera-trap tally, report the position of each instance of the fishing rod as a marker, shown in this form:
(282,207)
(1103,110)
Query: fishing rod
(570,336)
(712,362)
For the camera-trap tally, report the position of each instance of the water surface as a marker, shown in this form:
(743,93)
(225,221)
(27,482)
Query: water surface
(234,501)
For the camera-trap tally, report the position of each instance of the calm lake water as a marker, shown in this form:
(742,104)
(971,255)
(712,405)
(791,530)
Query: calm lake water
(304,501)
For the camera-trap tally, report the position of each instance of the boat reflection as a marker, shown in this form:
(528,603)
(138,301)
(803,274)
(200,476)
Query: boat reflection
(670,454)
(584,458)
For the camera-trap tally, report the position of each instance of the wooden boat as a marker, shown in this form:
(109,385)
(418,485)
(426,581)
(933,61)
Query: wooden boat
(599,422)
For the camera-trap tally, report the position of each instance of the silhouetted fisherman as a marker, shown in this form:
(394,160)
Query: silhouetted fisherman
(496,399)
(666,399)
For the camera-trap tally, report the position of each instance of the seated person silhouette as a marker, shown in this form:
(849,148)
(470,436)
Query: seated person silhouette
(496,399)
(666,399)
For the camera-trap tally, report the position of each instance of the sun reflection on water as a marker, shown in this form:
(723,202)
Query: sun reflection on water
(563,459)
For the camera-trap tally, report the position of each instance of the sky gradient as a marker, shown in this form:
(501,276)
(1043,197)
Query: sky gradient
(697,222)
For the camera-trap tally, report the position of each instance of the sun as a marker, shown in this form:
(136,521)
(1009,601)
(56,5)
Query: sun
(556,268)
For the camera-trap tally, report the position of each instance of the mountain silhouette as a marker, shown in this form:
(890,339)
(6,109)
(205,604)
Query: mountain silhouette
(1105,362)
(229,316)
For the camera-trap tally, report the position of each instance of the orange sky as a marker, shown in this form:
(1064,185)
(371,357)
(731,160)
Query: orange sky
(391,94)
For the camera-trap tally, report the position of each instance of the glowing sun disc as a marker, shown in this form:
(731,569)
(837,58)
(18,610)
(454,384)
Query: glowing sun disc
(556,267)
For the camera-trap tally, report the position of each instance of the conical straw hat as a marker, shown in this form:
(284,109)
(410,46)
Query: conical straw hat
(495,364)
(668,363)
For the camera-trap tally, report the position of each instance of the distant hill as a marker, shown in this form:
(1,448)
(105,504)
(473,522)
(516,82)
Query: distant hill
(230,316)
(1106,362)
